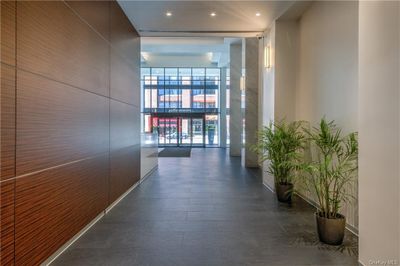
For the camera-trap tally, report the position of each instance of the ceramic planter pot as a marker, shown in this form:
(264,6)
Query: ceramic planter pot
(284,192)
(331,231)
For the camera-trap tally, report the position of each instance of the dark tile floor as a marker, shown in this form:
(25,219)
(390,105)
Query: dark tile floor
(206,210)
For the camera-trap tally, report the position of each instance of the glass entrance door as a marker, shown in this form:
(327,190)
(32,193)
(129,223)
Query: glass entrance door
(167,131)
(198,131)
(185,132)
(180,131)
(171,132)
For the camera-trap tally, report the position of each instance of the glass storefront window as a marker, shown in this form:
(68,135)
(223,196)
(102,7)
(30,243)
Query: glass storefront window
(213,76)
(181,104)
(147,98)
(186,98)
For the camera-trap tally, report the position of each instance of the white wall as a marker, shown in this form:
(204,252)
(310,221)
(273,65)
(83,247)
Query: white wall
(315,72)
(280,80)
(268,95)
(379,159)
(328,60)
(286,66)
(348,69)
(327,83)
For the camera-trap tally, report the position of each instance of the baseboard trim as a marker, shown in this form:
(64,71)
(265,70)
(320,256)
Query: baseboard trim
(149,173)
(312,203)
(115,203)
(269,187)
(64,247)
(349,227)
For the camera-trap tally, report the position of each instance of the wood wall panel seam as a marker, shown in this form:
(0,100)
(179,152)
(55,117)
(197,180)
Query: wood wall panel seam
(106,39)
(131,104)
(7,125)
(109,110)
(63,200)
(61,165)
(60,81)
(7,218)
(57,123)
(71,4)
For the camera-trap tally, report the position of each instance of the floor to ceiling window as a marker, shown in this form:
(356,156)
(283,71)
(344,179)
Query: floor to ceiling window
(182,105)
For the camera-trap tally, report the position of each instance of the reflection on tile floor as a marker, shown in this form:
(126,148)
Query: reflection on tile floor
(206,210)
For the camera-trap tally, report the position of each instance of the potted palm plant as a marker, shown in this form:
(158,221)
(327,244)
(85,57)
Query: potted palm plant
(327,176)
(281,143)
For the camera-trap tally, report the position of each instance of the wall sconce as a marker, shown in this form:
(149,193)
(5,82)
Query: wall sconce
(242,83)
(267,56)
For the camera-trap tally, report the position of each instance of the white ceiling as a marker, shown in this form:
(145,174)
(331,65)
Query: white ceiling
(192,34)
(216,49)
(183,45)
(192,18)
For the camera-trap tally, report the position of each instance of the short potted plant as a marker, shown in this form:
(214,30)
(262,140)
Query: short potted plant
(281,143)
(327,176)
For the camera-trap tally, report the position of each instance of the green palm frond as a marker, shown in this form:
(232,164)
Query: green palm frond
(333,168)
(281,144)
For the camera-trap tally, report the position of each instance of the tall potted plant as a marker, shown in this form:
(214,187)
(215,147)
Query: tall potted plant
(328,174)
(281,143)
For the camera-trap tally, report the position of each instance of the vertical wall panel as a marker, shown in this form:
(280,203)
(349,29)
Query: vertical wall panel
(123,77)
(55,120)
(94,13)
(7,220)
(7,119)
(52,206)
(123,131)
(125,53)
(124,108)
(7,131)
(54,42)
(124,170)
(7,27)
(57,124)
(124,146)
(123,36)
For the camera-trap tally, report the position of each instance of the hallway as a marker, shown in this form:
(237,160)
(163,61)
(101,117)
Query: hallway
(205,210)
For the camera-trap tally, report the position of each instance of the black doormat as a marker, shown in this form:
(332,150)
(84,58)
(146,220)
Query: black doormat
(175,152)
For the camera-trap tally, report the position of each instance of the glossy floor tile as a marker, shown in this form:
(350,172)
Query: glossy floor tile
(206,210)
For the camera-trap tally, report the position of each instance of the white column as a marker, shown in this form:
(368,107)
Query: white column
(379,131)
(251,104)
(222,120)
(235,122)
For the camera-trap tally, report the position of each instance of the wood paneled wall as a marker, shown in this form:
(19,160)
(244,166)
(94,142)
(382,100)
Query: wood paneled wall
(70,131)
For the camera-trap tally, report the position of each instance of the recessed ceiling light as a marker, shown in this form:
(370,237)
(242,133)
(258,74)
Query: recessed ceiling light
(168,14)
(213,14)
(258,14)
